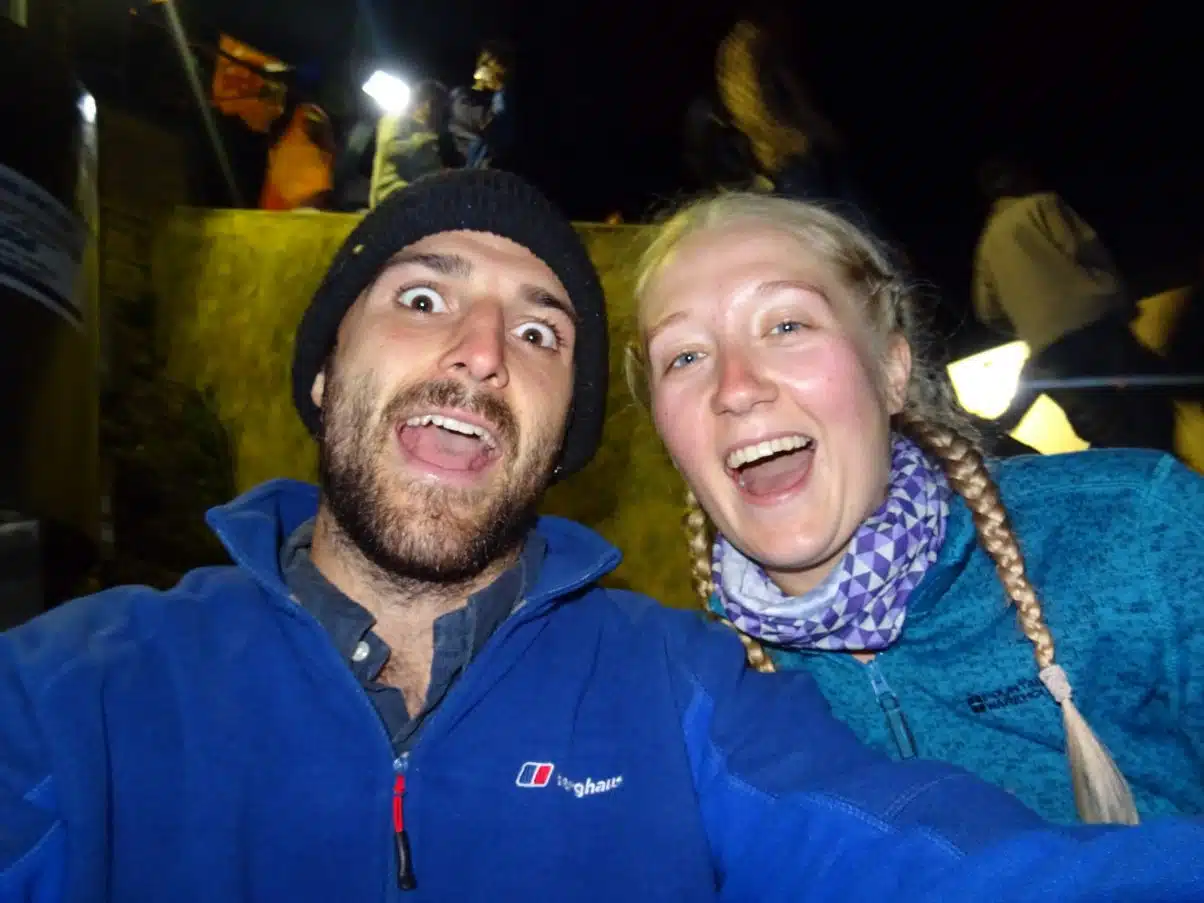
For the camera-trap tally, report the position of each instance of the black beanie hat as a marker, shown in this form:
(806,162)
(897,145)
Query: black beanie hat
(477,200)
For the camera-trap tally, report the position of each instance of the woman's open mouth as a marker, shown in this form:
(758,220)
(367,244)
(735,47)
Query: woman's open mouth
(770,468)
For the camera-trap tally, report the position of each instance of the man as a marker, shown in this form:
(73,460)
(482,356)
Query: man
(406,682)
(1042,274)
(481,124)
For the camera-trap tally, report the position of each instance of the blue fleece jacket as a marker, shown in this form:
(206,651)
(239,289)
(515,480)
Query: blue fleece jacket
(1114,543)
(208,743)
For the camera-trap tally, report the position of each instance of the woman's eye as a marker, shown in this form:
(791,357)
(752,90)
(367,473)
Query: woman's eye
(786,327)
(540,334)
(684,360)
(422,299)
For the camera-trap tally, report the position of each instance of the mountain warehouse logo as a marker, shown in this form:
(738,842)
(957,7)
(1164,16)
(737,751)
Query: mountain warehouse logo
(1025,690)
(539,774)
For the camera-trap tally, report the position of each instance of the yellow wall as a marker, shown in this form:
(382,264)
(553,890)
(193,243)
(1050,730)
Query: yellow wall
(231,286)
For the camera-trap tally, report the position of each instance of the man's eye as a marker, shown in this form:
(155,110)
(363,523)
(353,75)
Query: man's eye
(423,299)
(542,334)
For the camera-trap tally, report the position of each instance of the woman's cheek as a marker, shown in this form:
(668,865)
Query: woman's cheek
(675,421)
(827,373)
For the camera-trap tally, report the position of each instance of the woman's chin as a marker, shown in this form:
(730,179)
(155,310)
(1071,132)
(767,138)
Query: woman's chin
(795,567)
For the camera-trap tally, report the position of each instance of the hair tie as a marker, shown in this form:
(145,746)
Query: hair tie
(1056,682)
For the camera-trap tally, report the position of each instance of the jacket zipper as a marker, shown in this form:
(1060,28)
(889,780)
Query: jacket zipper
(896,721)
(401,838)
(405,859)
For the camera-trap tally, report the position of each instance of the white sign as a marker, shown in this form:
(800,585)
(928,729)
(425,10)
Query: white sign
(41,246)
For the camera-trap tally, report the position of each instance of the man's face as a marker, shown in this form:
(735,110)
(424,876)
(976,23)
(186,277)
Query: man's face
(444,405)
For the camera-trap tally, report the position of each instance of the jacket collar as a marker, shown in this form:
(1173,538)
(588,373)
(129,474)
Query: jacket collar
(254,526)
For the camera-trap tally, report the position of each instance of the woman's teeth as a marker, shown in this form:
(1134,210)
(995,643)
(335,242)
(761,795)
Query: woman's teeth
(750,454)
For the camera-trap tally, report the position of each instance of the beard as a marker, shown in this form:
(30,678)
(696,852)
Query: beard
(411,530)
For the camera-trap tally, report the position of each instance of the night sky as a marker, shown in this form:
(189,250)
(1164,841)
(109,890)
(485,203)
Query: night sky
(1103,101)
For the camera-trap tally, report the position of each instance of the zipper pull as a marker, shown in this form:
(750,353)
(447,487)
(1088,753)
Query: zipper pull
(896,720)
(405,861)
(900,730)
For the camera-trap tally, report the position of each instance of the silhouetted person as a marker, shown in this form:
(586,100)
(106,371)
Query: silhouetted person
(481,125)
(794,144)
(717,153)
(409,144)
(1185,347)
(301,163)
(1042,274)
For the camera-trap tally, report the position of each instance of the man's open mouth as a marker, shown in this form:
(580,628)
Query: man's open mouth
(449,443)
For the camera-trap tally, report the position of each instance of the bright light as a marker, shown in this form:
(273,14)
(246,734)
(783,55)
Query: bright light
(391,94)
(87,108)
(985,383)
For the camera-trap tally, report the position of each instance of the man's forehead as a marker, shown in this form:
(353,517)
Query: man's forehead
(458,254)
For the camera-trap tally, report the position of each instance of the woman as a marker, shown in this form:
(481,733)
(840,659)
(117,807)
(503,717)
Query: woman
(862,537)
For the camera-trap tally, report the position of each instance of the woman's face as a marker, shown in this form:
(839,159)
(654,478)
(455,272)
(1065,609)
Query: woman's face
(768,396)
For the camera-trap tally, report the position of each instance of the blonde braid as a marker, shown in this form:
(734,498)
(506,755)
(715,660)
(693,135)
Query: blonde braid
(1100,791)
(698,541)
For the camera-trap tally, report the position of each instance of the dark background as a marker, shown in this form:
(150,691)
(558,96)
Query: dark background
(1105,101)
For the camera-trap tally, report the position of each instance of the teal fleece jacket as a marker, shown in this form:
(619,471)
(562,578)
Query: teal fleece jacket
(1114,543)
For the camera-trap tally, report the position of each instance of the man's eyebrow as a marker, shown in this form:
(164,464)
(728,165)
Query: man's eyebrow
(443,264)
(541,297)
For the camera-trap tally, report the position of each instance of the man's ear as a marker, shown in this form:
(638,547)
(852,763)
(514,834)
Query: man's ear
(318,389)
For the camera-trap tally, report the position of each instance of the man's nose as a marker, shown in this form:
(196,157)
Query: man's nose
(479,348)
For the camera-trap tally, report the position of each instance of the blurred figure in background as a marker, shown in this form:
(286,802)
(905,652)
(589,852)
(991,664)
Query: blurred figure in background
(1185,351)
(301,163)
(410,145)
(718,155)
(794,144)
(1042,275)
(481,122)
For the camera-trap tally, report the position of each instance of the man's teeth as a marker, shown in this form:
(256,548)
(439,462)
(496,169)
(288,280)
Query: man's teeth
(752,453)
(455,426)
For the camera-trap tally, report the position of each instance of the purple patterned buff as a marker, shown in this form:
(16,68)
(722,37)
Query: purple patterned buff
(861,604)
